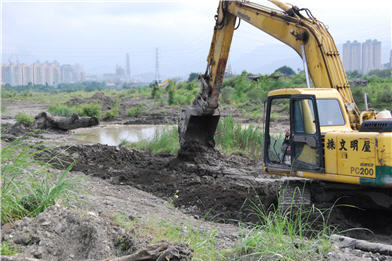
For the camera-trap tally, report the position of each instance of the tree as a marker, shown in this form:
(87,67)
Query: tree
(285,70)
(193,76)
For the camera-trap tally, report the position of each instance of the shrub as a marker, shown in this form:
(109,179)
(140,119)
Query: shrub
(135,111)
(155,92)
(89,109)
(61,110)
(114,112)
(25,119)
(170,100)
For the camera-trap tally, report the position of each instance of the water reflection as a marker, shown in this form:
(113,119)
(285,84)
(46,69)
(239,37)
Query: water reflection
(113,135)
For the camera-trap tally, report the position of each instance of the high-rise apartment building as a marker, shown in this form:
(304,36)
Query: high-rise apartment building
(390,60)
(352,56)
(40,73)
(362,58)
(371,55)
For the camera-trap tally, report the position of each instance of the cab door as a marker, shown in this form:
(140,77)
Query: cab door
(292,135)
(305,138)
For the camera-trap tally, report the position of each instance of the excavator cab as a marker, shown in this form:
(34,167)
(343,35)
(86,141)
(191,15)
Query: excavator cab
(292,134)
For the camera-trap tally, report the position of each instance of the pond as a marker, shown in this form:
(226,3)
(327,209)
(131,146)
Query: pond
(114,134)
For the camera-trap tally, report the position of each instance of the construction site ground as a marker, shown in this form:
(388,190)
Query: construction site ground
(210,192)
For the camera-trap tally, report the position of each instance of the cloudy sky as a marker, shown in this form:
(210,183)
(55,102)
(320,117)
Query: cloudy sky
(97,34)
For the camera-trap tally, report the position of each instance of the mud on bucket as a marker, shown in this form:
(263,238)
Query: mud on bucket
(194,126)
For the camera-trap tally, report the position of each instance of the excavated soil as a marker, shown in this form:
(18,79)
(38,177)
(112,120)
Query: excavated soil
(213,186)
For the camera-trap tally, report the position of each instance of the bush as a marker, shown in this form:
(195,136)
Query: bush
(155,92)
(25,119)
(61,110)
(135,111)
(89,109)
(170,100)
(114,112)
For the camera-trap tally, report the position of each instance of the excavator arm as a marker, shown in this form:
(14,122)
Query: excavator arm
(305,34)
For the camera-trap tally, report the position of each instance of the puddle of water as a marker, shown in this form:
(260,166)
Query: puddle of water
(113,135)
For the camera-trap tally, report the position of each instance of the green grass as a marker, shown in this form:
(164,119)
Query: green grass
(135,111)
(86,109)
(165,140)
(114,112)
(7,250)
(25,119)
(286,233)
(89,109)
(61,110)
(27,186)
(202,242)
(230,137)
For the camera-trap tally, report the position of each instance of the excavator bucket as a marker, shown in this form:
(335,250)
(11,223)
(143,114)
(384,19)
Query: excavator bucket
(197,127)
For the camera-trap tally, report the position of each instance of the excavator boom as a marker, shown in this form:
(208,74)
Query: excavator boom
(305,34)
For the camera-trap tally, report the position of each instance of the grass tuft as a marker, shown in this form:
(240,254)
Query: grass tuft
(164,141)
(286,233)
(7,249)
(232,137)
(61,110)
(25,119)
(135,111)
(27,187)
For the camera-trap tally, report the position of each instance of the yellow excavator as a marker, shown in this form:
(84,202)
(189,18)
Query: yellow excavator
(326,137)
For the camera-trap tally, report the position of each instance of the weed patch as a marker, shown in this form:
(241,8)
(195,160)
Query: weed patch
(27,187)
(286,233)
(135,111)
(232,137)
(25,119)
(165,140)
(61,110)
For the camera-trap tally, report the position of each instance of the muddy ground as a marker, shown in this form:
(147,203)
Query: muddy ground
(209,190)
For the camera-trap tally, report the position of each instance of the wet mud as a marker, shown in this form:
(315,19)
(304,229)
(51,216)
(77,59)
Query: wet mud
(213,186)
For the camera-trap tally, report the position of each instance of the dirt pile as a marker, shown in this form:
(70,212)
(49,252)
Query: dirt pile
(62,234)
(17,130)
(99,97)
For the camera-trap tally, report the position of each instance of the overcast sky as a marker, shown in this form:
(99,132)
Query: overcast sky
(97,34)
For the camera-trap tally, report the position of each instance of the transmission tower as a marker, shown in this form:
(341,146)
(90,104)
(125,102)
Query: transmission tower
(157,65)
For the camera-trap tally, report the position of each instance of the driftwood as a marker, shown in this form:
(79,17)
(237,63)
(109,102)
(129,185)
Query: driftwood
(347,242)
(161,251)
(44,121)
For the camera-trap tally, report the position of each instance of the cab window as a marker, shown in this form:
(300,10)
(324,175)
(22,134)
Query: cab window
(330,113)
